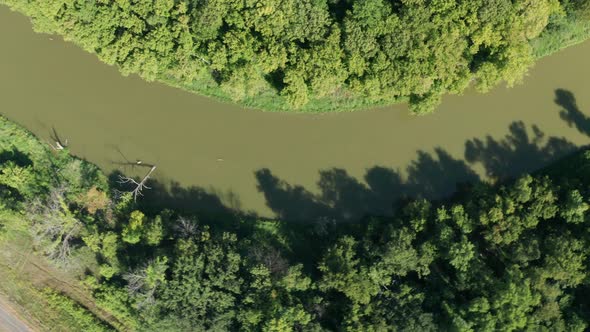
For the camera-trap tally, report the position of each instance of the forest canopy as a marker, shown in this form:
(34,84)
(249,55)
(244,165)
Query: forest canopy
(311,54)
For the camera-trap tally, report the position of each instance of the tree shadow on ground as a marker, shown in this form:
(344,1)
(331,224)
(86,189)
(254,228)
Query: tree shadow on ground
(16,156)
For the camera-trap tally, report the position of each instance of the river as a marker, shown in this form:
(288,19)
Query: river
(289,166)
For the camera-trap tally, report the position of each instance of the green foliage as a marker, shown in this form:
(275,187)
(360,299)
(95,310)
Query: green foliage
(78,316)
(156,272)
(311,54)
(204,283)
(107,271)
(461,254)
(116,301)
(564,29)
(154,232)
(17,178)
(574,208)
(581,8)
(133,230)
(507,257)
(342,272)
(272,302)
(139,228)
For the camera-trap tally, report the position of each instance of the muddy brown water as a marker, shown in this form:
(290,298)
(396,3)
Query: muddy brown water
(289,165)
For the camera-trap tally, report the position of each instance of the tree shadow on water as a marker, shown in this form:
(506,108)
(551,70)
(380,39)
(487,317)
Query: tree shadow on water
(571,113)
(161,194)
(342,197)
(189,202)
(517,152)
(288,200)
(434,176)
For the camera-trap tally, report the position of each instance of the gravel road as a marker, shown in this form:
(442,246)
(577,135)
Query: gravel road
(9,321)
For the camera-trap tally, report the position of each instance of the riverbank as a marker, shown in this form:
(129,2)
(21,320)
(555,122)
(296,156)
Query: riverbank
(115,245)
(563,31)
(205,148)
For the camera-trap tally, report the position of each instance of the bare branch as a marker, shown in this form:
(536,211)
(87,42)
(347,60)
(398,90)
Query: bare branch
(138,186)
(63,251)
(53,226)
(186,227)
(138,285)
(59,144)
(271,258)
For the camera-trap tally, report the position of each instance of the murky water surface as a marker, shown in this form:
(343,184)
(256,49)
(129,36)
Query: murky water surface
(289,165)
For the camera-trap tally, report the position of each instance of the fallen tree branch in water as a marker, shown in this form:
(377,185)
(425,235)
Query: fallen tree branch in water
(59,144)
(139,186)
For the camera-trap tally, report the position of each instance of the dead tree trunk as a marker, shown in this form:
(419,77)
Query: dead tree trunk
(59,144)
(138,186)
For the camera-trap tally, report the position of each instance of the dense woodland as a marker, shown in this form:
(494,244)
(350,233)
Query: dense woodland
(312,54)
(494,258)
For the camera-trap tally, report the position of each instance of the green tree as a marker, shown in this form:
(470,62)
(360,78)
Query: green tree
(290,54)
(133,230)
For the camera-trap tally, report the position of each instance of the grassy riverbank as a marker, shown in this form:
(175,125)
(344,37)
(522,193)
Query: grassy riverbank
(562,33)
(340,62)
